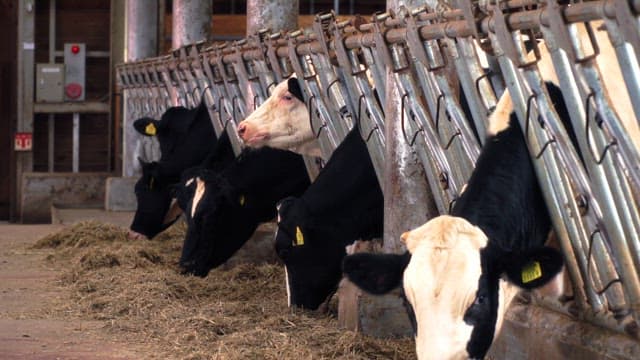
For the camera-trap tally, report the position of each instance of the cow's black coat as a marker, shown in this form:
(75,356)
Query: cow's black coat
(236,200)
(186,139)
(343,204)
(503,198)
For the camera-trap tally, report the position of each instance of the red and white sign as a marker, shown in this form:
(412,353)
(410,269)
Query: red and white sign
(23,141)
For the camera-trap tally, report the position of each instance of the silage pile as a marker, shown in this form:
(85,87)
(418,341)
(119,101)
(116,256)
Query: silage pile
(136,289)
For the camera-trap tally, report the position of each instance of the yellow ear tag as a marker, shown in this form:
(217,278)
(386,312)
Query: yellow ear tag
(242,200)
(299,237)
(150,129)
(531,271)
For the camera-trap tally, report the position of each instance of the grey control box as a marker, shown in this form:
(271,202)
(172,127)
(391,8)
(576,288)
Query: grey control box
(49,82)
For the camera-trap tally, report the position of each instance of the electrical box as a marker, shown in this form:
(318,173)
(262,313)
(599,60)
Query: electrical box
(49,82)
(75,55)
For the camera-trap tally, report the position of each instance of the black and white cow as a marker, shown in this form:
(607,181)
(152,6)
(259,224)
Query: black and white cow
(462,270)
(225,207)
(186,139)
(344,204)
(454,276)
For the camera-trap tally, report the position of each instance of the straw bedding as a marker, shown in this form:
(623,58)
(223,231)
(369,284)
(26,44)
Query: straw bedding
(240,313)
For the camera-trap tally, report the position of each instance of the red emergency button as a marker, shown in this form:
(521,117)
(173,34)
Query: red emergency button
(75,49)
(73,90)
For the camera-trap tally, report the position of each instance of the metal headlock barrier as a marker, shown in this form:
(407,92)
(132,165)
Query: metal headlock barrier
(433,58)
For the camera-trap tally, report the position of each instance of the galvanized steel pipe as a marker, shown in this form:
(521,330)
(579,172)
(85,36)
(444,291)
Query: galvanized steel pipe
(191,22)
(408,202)
(141,22)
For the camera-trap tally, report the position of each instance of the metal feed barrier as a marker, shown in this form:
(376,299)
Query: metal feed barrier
(433,59)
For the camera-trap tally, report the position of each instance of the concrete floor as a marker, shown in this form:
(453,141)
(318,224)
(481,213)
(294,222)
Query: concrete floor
(28,292)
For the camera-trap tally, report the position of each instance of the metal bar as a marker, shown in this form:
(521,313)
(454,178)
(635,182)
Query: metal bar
(51,141)
(76,143)
(590,222)
(603,172)
(368,113)
(523,20)
(318,112)
(98,54)
(51,117)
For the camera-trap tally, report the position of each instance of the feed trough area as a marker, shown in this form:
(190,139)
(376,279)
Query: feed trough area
(135,290)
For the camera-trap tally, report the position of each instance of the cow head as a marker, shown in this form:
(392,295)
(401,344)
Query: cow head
(185,138)
(155,211)
(211,205)
(312,264)
(458,286)
(281,122)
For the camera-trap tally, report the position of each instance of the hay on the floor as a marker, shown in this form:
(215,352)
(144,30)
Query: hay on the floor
(240,313)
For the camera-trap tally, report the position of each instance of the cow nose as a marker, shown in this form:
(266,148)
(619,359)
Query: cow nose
(242,128)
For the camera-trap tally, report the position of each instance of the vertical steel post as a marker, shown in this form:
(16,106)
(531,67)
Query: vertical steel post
(141,24)
(25,95)
(76,143)
(274,16)
(191,22)
(52,59)
(408,203)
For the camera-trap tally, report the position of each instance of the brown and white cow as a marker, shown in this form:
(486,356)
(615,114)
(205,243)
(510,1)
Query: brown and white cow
(281,122)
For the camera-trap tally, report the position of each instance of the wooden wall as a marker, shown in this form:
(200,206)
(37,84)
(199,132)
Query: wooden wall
(8,79)
(84,21)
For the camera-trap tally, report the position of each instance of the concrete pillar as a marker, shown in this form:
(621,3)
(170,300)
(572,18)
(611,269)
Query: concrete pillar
(141,21)
(408,202)
(138,41)
(275,15)
(141,41)
(191,22)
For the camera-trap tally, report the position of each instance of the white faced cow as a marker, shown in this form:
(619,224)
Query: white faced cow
(462,270)
(342,205)
(281,122)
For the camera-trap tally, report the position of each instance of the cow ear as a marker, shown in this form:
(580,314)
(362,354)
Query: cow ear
(375,273)
(534,268)
(294,88)
(146,126)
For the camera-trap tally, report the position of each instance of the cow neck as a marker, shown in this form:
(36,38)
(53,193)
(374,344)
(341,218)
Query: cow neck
(347,177)
(265,168)
(502,191)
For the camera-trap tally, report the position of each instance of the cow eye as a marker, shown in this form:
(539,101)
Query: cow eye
(479,299)
(287,97)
